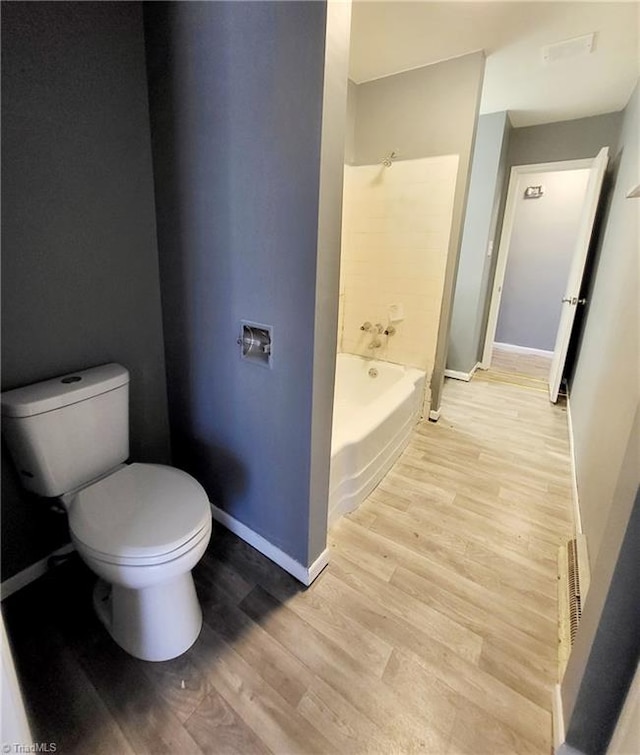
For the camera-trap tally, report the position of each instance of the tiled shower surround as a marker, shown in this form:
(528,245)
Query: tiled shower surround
(395,238)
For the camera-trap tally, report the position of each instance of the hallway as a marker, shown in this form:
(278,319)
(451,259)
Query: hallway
(433,629)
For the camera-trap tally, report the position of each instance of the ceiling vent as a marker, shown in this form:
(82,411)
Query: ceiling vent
(569,48)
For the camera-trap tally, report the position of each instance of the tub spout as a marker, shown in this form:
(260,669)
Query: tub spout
(376,343)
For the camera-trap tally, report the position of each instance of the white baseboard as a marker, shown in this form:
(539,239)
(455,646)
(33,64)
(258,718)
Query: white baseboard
(557,718)
(574,476)
(522,349)
(457,375)
(560,747)
(304,574)
(31,573)
(566,749)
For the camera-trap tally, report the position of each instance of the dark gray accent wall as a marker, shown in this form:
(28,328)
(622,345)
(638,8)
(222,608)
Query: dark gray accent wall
(422,113)
(488,172)
(80,281)
(236,94)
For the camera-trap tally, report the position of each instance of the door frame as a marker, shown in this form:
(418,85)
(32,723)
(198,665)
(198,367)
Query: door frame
(509,217)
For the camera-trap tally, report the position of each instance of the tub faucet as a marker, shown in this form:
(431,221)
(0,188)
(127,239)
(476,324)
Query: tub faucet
(376,343)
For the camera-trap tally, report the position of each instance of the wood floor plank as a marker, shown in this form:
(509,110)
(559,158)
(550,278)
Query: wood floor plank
(477,530)
(482,618)
(275,665)
(277,724)
(347,584)
(87,725)
(322,609)
(349,730)
(354,683)
(219,730)
(477,732)
(433,630)
(372,561)
(509,584)
(530,676)
(480,688)
(179,683)
(144,716)
(424,565)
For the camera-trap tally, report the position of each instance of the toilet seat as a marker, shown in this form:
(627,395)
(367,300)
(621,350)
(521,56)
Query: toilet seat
(140,515)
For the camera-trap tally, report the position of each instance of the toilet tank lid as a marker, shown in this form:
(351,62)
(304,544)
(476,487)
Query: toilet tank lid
(63,391)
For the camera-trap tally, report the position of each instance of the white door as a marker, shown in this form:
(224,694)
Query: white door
(571,299)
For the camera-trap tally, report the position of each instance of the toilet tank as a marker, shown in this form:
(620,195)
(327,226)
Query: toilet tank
(67,431)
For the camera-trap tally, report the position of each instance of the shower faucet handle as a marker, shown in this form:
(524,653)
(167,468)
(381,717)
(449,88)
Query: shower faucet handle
(366,326)
(390,330)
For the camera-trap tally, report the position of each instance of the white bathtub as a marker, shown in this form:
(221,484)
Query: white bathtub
(372,420)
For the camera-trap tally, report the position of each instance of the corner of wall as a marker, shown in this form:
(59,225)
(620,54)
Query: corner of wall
(334,125)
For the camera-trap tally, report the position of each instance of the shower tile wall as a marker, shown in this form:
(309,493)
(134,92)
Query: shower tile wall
(395,237)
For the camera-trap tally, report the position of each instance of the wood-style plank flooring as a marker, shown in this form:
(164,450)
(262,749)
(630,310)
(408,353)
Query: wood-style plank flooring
(433,629)
(530,370)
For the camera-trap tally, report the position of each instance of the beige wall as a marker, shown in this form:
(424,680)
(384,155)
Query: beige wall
(396,230)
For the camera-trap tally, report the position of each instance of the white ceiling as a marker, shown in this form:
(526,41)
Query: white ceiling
(389,36)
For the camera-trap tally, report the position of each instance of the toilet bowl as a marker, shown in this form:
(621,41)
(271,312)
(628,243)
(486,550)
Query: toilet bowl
(142,529)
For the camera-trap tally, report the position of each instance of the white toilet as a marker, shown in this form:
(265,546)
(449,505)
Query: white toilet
(140,527)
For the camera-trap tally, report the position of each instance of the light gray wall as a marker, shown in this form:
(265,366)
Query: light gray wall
(350,135)
(605,401)
(566,140)
(488,171)
(80,283)
(421,113)
(236,94)
(542,246)
(334,129)
(606,384)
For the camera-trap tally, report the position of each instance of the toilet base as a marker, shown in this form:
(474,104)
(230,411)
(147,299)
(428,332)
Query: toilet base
(154,623)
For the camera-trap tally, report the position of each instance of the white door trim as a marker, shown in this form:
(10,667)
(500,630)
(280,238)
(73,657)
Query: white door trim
(505,240)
